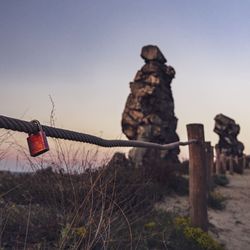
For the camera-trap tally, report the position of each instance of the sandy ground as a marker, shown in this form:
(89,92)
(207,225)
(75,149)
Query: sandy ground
(230,226)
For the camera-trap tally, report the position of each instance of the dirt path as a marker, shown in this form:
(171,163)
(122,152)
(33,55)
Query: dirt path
(231,226)
(233,223)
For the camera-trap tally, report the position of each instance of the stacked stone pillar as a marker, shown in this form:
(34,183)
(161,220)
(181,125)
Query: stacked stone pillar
(229,150)
(149,111)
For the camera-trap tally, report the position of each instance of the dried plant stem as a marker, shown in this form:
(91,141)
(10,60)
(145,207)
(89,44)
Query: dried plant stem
(27,226)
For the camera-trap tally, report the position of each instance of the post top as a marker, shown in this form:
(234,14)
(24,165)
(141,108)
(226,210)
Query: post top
(195,125)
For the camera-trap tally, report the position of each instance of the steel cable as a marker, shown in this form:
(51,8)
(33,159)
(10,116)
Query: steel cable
(31,128)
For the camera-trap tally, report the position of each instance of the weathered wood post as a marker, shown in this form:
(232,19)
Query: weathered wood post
(231,165)
(208,165)
(218,161)
(197,177)
(212,161)
(241,165)
(247,161)
(223,159)
(238,165)
(244,162)
(236,160)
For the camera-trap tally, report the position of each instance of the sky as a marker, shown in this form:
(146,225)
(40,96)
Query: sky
(84,53)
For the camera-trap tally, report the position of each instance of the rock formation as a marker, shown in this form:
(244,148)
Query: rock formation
(149,111)
(228,130)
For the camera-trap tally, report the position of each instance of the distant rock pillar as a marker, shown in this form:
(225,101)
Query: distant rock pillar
(228,130)
(149,111)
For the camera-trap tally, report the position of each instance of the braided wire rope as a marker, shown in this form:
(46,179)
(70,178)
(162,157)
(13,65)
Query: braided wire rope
(32,128)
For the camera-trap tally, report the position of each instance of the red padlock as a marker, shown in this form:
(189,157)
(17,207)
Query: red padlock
(37,142)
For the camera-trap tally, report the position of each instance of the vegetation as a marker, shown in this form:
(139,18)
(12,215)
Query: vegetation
(195,237)
(108,208)
(220,180)
(96,209)
(216,200)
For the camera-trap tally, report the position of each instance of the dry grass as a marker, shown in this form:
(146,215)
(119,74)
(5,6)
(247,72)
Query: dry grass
(69,203)
(72,200)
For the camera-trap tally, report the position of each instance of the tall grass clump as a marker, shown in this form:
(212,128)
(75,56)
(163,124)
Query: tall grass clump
(71,200)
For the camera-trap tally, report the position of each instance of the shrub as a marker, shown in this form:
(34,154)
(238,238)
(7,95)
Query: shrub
(195,235)
(106,208)
(220,180)
(216,200)
(93,209)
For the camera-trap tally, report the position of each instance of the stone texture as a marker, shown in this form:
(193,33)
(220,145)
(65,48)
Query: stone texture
(152,53)
(228,130)
(119,160)
(149,110)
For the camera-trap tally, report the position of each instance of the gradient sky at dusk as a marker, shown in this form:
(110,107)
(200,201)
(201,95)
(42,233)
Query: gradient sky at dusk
(84,54)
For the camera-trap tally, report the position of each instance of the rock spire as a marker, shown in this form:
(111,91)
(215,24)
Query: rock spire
(149,110)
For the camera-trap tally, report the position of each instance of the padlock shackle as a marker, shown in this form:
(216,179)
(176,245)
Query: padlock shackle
(38,126)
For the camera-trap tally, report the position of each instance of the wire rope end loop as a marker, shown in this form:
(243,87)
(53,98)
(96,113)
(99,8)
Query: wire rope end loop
(194,141)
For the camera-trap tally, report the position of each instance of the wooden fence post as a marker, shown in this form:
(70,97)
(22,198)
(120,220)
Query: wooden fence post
(231,165)
(223,159)
(236,159)
(208,165)
(241,165)
(247,161)
(218,162)
(197,177)
(212,161)
(237,164)
(244,162)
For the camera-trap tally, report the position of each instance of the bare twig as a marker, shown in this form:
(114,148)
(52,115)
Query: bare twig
(27,226)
